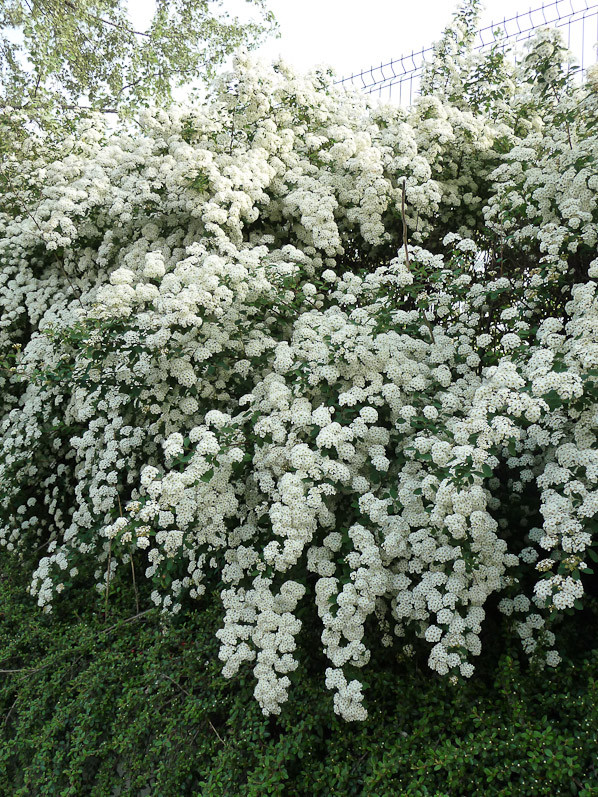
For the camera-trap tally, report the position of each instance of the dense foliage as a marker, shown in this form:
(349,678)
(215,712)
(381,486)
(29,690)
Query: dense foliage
(60,57)
(136,708)
(333,362)
(61,60)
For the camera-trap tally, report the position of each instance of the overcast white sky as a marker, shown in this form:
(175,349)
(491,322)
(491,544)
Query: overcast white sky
(352,35)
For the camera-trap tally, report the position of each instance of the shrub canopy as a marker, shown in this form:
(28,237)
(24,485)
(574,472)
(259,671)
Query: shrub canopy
(313,352)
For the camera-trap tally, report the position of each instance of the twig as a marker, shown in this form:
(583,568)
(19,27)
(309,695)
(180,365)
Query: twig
(33,670)
(6,718)
(27,669)
(135,586)
(107,580)
(190,695)
(176,683)
(232,137)
(24,669)
(105,21)
(215,731)
(120,508)
(405,225)
(426,322)
(128,620)
(356,764)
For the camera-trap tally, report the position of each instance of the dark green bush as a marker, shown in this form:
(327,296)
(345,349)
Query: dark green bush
(93,699)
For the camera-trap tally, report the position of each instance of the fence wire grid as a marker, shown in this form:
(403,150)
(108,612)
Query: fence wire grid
(399,79)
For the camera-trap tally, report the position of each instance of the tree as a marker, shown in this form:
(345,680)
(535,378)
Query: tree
(71,57)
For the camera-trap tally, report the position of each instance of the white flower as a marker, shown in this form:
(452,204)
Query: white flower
(173,445)
(122,276)
(154,267)
(553,658)
(217,418)
(369,414)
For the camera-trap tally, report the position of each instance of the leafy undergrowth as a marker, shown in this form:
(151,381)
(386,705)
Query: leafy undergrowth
(122,705)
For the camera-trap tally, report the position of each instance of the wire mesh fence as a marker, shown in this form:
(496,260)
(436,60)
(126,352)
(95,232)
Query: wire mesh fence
(398,80)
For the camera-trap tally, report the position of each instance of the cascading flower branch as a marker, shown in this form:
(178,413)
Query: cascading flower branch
(297,350)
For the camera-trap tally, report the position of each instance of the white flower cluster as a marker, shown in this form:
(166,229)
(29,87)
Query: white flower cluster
(231,367)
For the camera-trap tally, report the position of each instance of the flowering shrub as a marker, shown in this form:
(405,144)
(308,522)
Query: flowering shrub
(299,349)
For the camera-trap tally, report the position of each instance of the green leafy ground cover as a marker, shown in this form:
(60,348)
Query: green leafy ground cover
(97,697)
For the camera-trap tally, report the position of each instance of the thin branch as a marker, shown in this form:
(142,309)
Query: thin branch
(215,731)
(39,77)
(26,669)
(105,21)
(22,669)
(426,322)
(190,695)
(135,586)
(405,225)
(74,107)
(107,580)
(6,718)
(558,99)
(33,670)
(128,620)
(120,508)
(177,684)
